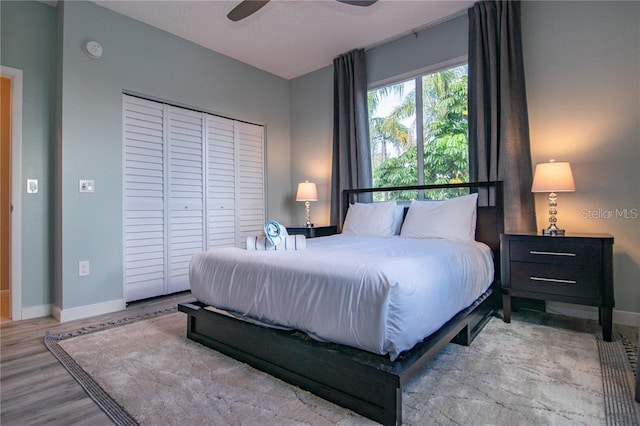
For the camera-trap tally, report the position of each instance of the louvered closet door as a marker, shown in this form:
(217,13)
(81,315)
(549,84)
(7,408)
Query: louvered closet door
(186,189)
(191,181)
(251,202)
(144,202)
(221,182)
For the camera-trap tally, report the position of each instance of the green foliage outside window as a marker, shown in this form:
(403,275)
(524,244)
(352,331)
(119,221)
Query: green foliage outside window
(394,150)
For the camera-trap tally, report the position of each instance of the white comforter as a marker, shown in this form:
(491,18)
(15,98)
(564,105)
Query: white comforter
(382,295)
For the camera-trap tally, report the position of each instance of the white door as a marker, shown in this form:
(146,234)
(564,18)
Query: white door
(191,181)
(186,193)
(221,182)
(144,198)
(250,180)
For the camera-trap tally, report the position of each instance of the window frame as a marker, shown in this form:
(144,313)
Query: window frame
(417,76)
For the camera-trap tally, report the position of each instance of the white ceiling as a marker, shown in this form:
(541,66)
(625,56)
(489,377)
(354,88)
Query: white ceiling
(288,38)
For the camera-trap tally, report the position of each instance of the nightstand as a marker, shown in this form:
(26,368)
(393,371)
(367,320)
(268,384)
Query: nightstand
(572,269)
(314,231)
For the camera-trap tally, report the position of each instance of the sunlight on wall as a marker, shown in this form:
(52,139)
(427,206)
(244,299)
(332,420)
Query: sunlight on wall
(582,87)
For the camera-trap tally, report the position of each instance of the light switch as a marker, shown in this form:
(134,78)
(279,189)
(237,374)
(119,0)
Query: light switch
(32,186)
(86,185)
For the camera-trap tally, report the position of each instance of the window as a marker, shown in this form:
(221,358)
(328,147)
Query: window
(431,109)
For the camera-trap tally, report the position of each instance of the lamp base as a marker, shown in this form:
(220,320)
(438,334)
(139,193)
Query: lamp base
(307,210)
(553,231)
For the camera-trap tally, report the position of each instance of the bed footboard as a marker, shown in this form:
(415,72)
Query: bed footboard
(368,384)
(330,371)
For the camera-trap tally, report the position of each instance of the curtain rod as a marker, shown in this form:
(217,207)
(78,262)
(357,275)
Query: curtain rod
(414,32)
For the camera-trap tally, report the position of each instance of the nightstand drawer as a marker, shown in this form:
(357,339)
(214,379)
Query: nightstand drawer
(582,283)
(576,268)
(558,252)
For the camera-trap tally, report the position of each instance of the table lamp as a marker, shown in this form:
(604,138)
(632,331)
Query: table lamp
(307,191)
(552,177)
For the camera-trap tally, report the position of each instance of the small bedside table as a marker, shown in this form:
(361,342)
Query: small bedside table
(314,231)
(572,269)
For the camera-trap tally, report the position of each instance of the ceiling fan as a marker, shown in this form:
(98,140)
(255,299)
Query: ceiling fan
(249,7)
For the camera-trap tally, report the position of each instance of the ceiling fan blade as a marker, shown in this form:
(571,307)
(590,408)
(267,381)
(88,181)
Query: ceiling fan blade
(358,2)
(246,8)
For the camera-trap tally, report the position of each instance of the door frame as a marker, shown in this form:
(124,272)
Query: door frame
(16,189)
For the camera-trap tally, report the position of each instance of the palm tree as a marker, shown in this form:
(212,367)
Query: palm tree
(445,132)
(375,96)
(446,142)
(387,133)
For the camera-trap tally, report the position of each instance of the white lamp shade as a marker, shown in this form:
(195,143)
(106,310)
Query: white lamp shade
(307,191)
(553,177)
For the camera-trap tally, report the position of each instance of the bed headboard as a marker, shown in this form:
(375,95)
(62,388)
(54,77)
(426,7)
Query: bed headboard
(490,217)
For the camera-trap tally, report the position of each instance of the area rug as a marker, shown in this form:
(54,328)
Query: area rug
(523,373)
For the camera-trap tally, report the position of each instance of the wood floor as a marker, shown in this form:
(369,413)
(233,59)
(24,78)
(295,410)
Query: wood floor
(34,388)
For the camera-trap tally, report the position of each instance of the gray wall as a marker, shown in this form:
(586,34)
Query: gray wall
(311,141)
(85,114)
(312,102)
(582,66)
(413,54)
(145,60)
(28,42)
(582,72)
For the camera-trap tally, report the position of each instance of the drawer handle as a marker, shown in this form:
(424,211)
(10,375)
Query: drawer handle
(551,253)
(553,280)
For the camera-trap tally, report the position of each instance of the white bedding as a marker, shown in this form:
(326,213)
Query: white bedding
(382,295)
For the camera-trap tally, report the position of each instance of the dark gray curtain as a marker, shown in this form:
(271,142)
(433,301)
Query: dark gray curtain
(499,147)
(351,150)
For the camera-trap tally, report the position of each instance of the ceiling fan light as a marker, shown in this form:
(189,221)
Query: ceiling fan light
(249,7)
(358,2)
(246,8)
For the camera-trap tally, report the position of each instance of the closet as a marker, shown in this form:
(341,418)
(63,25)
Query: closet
(192,181)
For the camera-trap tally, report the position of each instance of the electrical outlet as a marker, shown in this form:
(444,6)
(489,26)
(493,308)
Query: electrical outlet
(83,268)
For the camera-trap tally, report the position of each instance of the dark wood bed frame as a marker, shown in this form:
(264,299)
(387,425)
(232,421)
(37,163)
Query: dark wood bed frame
(366,383)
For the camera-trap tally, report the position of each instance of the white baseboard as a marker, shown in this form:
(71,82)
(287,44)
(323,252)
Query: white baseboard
(36,312)
(87,311)
(626,318)
(591,312)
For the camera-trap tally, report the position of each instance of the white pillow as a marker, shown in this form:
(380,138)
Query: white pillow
(370,219)
(453,219)
(398,218)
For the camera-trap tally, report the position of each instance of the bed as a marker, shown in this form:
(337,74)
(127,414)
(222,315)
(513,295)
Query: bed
(353,317)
